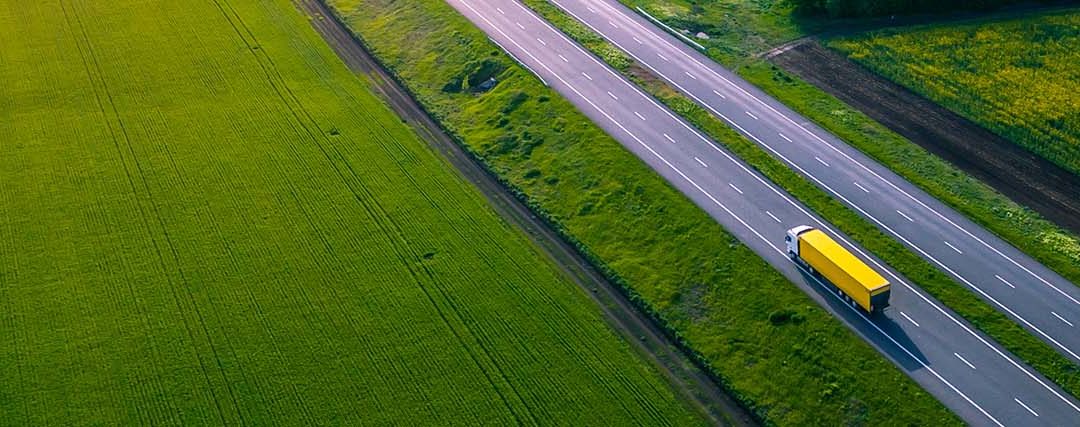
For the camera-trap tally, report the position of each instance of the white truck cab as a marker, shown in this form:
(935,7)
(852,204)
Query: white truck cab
(792,239)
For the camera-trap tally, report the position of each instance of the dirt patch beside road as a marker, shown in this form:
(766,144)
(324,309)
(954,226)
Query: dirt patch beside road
(699,388)
(1018,174)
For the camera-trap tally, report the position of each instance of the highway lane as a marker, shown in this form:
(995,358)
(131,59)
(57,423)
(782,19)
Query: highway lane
(1031,294)
(961,367)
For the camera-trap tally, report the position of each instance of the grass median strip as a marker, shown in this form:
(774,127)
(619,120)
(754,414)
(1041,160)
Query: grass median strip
(1014,338)
(776,351)
(739,30)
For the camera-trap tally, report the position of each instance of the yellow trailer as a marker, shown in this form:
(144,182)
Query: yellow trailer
(852,278)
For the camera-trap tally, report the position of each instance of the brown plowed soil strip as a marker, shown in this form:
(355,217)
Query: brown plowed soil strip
(698,388)
(1022,176)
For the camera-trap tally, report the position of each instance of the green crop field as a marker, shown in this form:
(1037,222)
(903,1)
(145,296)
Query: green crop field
(773,348)
(206,219)
(1017,77)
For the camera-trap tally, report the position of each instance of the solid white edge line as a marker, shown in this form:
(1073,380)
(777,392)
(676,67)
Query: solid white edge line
(771,187)
(837,194)
(523,64)
(1026,407)
(834,148)
(768,242)
(932,371)
(913,322)
(1062,319)
(776,191)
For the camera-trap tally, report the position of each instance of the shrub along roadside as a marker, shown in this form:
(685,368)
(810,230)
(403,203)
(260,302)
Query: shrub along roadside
(1009,334)
(766,25)
(769,344)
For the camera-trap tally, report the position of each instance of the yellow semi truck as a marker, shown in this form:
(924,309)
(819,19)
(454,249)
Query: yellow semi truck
(851,278)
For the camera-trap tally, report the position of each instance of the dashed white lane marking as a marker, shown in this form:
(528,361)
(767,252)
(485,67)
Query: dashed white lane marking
(734,187)
(920,202)
(785,137)
(861,187)
(662,57)
(563,58)
(773,217)
(953,247)
(821,161)
(541,41)
(590,9)
(904,215)
(520,26)
(752,116)
(588,77)
(639,115)
(1061,318)
(613,24)
(931,370)
(962,359)
(1026,407)
(612,95)
(669,138)
(500,11)
(1005,281)
(702,163)
(636,39)
(719,94)
(909,319)
(690,75)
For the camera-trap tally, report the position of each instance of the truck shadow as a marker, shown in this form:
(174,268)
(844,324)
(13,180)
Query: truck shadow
(878,329)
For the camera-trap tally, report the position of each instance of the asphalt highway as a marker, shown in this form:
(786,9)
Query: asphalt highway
(1038,299)
(964,369)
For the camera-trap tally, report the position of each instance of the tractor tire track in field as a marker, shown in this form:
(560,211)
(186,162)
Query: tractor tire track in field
(375,211)
(89,57)
(644,335)
(131,183)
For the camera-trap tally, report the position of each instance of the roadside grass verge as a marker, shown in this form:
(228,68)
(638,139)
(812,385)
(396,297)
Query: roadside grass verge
(1017,77)
(741,29)
(207,219)
(1009,334)
(775,350)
